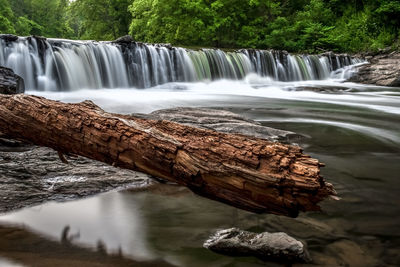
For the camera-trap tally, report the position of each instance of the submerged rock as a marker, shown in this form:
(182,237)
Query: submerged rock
(318,88)
(10,83)
(266,246)
(383,70)
(221,121)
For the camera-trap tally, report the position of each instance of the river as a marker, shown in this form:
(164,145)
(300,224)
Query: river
(354,129)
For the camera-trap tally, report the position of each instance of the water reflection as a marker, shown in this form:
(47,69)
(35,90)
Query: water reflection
(25,247)
(175,223)
(108,218)
(8,263)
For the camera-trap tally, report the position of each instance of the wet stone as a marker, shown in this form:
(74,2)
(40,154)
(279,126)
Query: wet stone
(266,246)
(221,121)
(382,70)
(10,83)
(31,175)
(127,39)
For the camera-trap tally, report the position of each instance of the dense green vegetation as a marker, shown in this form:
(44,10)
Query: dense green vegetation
(294,25)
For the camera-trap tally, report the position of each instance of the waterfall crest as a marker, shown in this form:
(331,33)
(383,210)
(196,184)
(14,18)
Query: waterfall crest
(64,65)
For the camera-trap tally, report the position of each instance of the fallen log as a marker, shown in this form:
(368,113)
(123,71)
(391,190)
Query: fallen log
(249,173)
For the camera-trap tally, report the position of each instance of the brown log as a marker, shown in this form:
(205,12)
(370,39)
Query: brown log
(246,172)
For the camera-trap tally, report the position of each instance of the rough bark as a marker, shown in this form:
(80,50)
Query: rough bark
(249,173)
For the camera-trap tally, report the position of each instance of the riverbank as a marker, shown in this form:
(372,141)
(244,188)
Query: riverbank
(382,69)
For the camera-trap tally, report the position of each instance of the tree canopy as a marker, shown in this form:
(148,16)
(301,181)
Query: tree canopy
(293,25)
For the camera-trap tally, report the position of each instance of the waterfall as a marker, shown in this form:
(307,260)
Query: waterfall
(64,65)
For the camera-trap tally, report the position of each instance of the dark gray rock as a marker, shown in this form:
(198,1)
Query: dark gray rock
(266,246)
(319,88)
(31,175)
(382,70)
(219,120)
(124,39)
(9,37)
(10,83)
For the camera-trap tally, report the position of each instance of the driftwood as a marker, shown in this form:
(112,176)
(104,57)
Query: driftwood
(246,172)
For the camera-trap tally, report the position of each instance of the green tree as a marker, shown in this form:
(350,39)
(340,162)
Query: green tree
(174,21)
(41,17)
(101,19)
(293,25)
(6,17)
(25,26)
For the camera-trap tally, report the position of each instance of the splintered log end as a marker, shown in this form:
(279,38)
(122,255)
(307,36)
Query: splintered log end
(246,172)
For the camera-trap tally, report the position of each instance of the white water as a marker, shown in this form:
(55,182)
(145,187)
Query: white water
(208,94)
(348,108)
(64,65)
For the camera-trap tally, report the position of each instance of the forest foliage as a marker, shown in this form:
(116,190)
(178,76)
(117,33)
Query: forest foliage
(293,25)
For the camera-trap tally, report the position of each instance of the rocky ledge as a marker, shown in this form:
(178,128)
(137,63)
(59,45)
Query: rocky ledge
(31,175)
(10,83)
(265,246)
(221,121)
(382,70)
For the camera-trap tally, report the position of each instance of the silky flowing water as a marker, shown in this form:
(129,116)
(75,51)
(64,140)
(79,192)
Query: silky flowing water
(354,129)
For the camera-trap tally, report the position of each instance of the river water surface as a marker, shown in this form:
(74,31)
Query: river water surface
(354,129)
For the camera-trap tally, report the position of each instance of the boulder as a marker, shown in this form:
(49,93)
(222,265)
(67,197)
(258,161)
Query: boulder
(124,40)
(9,37)
(278,247)
(382,70)
(10,83)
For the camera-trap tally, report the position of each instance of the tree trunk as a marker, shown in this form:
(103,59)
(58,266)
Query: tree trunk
(249,173)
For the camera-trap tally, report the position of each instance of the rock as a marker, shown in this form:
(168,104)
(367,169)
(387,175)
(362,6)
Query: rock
(124,39)
(265,246)
(31,175)
(383,70)
(318,88)
(220,120)
(9,37)
(10,83)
